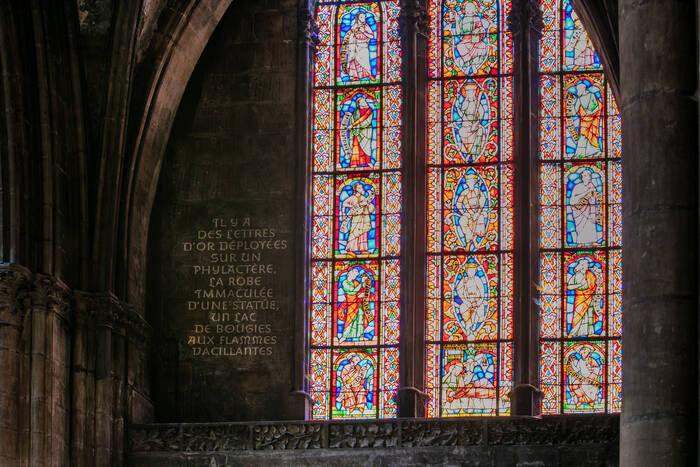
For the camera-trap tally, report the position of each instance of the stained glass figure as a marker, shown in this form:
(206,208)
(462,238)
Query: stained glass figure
(469,209)
(584,377)
(580,222)
(356,287)
(585,205)
(585,301)
(357,126)
(469,380)
(584,116)
(356,218)
(356,211)
(358,31)
(354,377)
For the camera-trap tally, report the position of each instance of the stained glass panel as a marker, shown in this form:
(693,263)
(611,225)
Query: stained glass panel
(356,211)
(469,207)
(580,222)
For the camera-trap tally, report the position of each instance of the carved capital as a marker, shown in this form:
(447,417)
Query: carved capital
(414,17)
(308,29)
(14,288)
(524,15)
(52,295)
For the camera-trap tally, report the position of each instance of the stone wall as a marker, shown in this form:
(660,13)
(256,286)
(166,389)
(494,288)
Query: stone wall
(222,233)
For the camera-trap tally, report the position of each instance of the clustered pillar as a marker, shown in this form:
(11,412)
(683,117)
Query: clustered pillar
(660,129)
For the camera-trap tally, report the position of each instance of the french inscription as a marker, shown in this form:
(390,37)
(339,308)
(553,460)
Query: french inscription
(232,301)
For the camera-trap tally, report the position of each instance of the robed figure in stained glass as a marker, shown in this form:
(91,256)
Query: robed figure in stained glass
(357,135)
(468,384)
(469,31)
(355,56)
(471,300)
(354,385)
(578,51)
(471,210)
(581,311)
(356,213)
(470,113)
(586,210)
(584,372)
(585,105)
(355,314)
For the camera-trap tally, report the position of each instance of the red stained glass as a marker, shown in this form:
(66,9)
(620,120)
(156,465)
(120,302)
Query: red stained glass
(469,208)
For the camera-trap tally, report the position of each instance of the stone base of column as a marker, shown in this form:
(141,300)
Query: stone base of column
(525,400)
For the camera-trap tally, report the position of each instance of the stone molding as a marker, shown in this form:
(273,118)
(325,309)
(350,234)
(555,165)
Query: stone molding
(21,291)
(256,436)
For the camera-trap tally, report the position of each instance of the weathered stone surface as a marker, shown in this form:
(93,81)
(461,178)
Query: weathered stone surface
(442,433)
(658,45)
(369,434)
(289,436)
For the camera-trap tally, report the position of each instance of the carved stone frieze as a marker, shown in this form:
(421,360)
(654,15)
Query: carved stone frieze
(565,429)
(202,437)
(227,437)
(155,438)
(289,436)
(366,434)
(442,433)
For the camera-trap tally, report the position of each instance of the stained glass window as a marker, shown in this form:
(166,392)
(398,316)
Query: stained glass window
(469,312)
(356,211)
(356,178)
(581,222)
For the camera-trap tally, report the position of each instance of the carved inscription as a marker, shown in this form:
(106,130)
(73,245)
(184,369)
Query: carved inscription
(232,301)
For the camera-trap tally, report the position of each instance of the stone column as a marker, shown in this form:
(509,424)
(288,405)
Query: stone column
(308,40)
(525,23)
(13,290)
(658,82)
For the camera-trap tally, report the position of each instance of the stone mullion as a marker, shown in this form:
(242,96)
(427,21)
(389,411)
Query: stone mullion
(414,34)
(308,34)
(525,23)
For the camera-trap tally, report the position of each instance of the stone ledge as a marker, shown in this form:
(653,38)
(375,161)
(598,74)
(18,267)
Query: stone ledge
(360,434)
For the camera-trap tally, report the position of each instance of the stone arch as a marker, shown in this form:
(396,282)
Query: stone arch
(185,41)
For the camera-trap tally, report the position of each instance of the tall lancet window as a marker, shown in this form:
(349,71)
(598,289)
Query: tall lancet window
(356,211)
(469,290)
(581,222)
